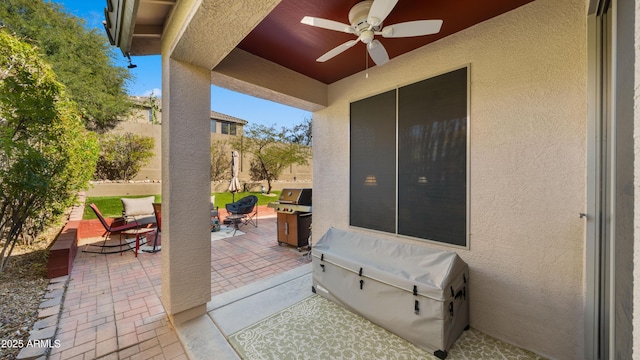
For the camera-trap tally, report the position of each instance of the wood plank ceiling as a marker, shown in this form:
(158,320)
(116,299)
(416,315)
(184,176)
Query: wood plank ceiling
(282,39)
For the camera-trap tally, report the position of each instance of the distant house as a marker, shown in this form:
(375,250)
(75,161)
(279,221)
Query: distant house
(148,110)
(222,124)
(146,118)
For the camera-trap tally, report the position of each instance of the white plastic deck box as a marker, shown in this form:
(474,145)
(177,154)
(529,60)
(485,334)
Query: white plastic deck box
(418,293)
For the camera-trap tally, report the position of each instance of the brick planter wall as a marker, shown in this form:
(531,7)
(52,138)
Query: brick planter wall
(63,251)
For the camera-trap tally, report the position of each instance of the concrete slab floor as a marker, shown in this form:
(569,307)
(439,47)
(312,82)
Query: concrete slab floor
(237,309)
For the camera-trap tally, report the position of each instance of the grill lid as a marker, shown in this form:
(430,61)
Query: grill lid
(295,196)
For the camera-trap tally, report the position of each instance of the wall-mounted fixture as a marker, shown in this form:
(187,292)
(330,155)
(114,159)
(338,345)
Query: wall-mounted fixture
(131,65)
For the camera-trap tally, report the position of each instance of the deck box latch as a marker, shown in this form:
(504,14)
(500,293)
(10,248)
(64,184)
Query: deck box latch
(459,294)
(416,307)
(361,284)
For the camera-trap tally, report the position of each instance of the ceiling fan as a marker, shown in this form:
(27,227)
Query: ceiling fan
(366,19)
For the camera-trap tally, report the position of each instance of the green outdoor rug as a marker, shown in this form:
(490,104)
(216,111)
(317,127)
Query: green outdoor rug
(316,328)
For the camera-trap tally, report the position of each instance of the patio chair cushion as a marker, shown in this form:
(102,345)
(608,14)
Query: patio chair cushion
(243,206)
(140,209)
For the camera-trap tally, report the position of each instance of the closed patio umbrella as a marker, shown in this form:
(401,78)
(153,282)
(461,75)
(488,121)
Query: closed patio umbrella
(234,185)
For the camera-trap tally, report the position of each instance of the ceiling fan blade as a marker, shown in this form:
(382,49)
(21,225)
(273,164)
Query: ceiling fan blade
(378,53)
(411,28)
(337,50)
(327,24)
(379,11)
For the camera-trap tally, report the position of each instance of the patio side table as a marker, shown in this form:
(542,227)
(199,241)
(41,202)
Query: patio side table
(137,233)
(236,220)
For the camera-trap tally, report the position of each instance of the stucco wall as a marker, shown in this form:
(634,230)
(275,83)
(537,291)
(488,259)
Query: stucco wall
(527,167)
(636,137)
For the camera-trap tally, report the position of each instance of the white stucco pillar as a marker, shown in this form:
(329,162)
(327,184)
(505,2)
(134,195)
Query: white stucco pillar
(636,188)
(186,239)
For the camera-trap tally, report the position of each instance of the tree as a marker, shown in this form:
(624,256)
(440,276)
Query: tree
(81,58)
(122,155)
(220,161)
(272,151)
(302,133)
(46,155)
(154,104)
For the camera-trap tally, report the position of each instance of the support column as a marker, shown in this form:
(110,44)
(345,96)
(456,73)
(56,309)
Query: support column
(186,188)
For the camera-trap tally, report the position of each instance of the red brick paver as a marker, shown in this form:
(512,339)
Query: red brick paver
(112,307)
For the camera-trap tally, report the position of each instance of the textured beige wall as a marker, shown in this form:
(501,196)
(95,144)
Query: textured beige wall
(527,167)
(636,136)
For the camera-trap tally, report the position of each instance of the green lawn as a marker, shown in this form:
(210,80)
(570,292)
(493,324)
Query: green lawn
(111,206)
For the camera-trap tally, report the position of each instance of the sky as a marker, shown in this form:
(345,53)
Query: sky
(147,78)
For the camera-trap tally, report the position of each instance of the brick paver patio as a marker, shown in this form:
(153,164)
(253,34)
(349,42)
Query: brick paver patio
(112,307)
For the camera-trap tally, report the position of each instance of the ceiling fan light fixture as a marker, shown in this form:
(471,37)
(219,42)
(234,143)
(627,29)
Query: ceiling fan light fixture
(366,36)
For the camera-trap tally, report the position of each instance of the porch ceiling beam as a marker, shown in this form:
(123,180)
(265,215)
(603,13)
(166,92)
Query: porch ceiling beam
(159,2)
(249,74)
(203,32)
(147,31)
(146,45)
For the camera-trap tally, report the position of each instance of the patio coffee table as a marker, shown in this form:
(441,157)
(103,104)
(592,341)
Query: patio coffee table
(236,220)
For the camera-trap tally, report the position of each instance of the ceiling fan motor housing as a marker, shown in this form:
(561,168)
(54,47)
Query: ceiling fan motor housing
(358,17)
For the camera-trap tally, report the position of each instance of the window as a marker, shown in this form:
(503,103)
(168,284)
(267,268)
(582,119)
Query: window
(228,128)
(150,115)
(409,160)
(213,126)
(373,163)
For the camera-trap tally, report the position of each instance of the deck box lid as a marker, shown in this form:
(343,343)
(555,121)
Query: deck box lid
(403,265)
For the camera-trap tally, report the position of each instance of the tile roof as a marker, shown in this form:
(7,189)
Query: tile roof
(220,116)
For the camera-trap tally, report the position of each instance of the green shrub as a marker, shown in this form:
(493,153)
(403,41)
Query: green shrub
(122,155)
(46,154)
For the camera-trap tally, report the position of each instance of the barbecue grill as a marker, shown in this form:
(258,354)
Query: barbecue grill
(293,210)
